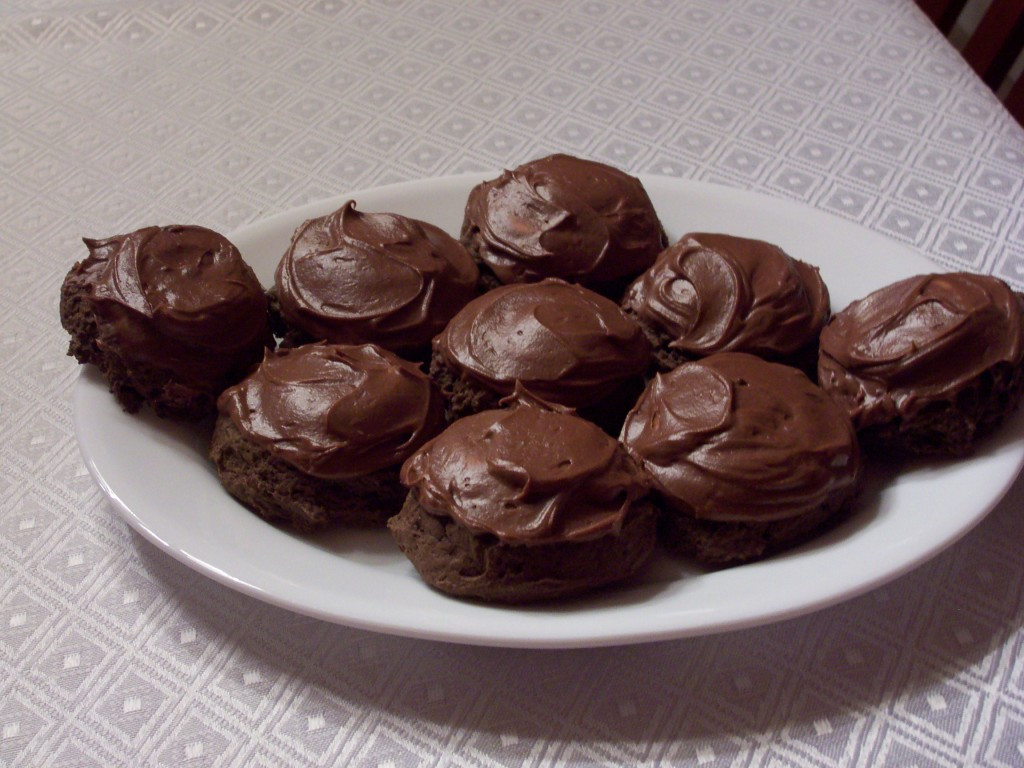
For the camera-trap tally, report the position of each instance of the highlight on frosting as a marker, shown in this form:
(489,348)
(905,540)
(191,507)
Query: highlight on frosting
(353,277)
(336,411)
(564,342)
(717,293)
(527,474)
(562,216)
(178,297)
(917,341)
(734,438)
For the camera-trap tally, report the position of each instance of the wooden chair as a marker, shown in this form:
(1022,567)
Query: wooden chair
(993,47)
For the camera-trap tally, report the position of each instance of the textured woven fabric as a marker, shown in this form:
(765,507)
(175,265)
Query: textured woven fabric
(115,115)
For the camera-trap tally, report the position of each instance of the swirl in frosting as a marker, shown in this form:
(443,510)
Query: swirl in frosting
(352,277)
(561,216)
(528,474)
(918,341)
(564,343)
(334,411)
(734,438)
(179,298)
(718,293)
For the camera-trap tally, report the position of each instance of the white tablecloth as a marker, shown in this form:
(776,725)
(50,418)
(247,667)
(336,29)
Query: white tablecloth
(115,115)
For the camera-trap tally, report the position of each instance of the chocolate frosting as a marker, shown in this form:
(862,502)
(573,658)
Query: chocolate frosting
(178,297)
(717,293)
(528,474)
(334,411)
(564,343)
(561,216)
(734,438)
(917,341)
(352,277)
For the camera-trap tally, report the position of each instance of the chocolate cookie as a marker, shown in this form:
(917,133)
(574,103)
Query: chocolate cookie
(928,364)
(746,456)
(169,315)
(561,216)
(562,342)
(355,278)
(523,504)
(280,493)
(316,434)
(718,293)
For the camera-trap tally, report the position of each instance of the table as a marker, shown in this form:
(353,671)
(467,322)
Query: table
(118,114)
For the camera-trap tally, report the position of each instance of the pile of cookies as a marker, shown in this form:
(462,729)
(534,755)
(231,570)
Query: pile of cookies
(530,408)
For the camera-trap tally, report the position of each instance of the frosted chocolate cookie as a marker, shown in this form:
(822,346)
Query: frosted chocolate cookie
(562,342)
(356,278)
(317,434)
(745,456)
(927,364)
(718,293)
(562,216)
(169,315)
(523,504)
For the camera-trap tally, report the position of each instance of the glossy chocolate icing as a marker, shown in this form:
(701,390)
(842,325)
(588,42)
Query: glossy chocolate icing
(336,411)
(561,216)
(564,343)
(735,438)
(918,341)
(532,473)
(352,277)
(717,293)
(179,298)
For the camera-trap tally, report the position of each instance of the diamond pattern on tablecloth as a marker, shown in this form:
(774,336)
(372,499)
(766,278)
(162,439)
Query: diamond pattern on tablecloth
(130,706)
(115,114)
(20,726)
(195,742)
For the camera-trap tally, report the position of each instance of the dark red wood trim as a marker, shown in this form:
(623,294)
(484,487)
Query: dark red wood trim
(997,40)
(943,13)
